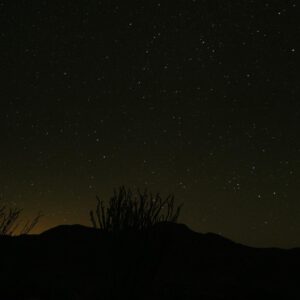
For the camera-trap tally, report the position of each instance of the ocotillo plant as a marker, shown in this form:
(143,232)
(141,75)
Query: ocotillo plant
(137,211)
(9,221)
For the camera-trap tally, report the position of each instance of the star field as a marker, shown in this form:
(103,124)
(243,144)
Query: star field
(195,98)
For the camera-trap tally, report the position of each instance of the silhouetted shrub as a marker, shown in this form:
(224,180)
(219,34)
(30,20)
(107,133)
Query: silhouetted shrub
(138,211)
(9,221)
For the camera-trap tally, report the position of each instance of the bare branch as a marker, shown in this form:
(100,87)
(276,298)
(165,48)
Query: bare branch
(137,211)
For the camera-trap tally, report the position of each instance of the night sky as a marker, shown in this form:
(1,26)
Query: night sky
(196,98)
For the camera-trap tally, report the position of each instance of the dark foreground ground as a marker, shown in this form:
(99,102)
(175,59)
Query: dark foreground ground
(168,262)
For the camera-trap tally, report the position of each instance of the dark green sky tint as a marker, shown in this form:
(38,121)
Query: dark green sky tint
(195,98)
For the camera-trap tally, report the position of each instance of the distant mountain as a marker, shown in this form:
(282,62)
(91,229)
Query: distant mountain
(71,232)
(169,261)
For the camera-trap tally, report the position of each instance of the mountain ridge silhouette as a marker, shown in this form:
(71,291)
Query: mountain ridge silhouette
(167,261)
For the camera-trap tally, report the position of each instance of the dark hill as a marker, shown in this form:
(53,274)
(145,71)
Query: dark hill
(75,232)
(169,261)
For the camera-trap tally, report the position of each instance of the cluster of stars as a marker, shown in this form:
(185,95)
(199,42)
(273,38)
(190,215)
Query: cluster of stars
(193,98)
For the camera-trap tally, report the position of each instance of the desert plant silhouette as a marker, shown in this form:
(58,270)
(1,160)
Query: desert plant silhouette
(9,221)
(136,210)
